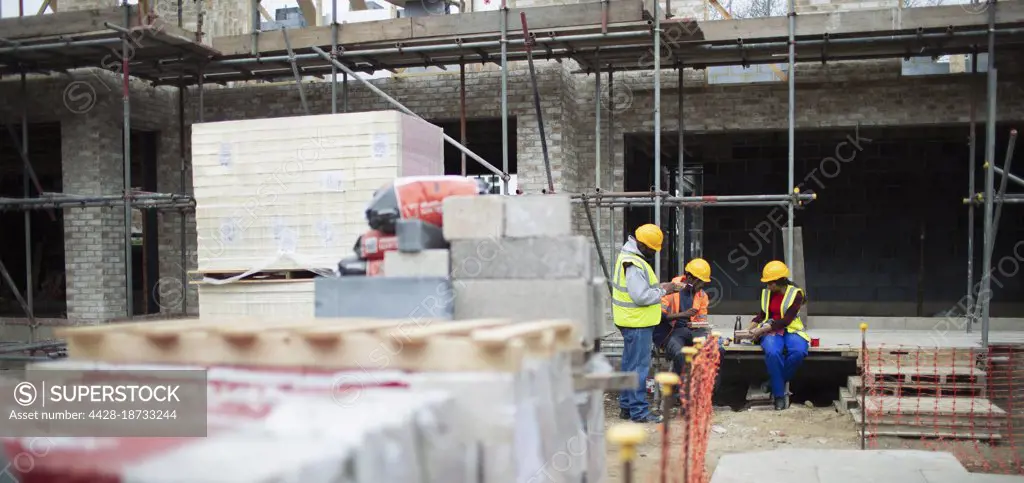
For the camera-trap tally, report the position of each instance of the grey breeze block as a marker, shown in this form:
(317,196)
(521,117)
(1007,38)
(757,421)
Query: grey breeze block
(425,263)
(538,216)
(520,258)
(526,300)
(415,235)
(472,217)
(384,297)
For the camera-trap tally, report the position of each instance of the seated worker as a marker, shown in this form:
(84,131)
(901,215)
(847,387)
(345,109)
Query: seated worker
(780,329)
(686,324)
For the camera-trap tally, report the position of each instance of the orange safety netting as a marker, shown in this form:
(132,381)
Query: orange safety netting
(688,431)
(965,401)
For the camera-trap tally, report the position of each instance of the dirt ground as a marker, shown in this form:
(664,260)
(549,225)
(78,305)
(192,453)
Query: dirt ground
(739,432)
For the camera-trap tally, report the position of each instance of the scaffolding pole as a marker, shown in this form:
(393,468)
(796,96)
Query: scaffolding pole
(504,176)
(791,78)
(1007,163)
(1016,179)
(973,139)
(985,296)
(127,167)
(657,128)
(597,142)
(537,106)
(504,94)
(462,111)
(49,203)
(25,189)
(612,239)
(295,71)
(680,182)
(334,56)
(183,180)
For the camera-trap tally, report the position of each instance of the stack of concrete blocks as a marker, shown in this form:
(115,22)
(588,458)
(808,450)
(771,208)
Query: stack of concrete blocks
(515,257)
(290,194)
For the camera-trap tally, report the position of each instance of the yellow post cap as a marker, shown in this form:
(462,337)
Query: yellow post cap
(863,326)
(699,341)
(689,352)
(667,378)
(716,334)
(627,434)
(814,196)
(796,190)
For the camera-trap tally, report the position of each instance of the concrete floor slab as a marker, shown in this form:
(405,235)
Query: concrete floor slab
(935,476)
(836,466)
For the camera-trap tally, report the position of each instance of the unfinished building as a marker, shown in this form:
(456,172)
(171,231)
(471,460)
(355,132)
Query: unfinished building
(881,136)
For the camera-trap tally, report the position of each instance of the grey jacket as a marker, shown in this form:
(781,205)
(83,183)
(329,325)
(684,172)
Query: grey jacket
(638,285)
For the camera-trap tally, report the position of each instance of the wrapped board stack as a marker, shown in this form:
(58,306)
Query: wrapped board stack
(279,200)
(347,400)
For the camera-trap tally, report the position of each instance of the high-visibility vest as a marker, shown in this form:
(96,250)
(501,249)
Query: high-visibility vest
(625,313)
(670,303)
(794,327)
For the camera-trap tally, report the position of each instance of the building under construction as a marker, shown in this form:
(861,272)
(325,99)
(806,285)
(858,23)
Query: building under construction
(866,123)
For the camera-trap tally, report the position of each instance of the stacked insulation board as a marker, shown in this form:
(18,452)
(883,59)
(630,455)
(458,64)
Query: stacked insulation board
(289,194)
(486,401)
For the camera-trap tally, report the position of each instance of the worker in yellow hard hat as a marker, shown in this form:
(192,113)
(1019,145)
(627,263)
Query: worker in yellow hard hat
(686,312)
(780,330)
(636,310)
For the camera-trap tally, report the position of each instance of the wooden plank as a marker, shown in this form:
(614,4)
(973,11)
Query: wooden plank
(838,24)
(309,12)
(454,26)
(911,431)
(64,23)
(925,407)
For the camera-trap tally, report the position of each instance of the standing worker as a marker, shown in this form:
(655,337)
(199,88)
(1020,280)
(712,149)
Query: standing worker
(780,329)
(636,310)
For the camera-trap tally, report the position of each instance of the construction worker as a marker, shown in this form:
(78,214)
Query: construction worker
(691,322)
(636,310)
(780,330)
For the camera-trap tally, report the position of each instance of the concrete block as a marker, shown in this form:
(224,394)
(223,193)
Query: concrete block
(538,215)
(523,258)
(416,235)
(601,300)
(384,297)
(426,263)
(474,217)
(526,300)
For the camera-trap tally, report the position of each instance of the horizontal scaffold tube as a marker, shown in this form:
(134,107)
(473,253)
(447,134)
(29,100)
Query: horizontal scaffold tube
(579,198)
(159,201)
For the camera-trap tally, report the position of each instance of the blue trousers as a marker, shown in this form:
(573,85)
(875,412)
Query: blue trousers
(636,357)
(782,366)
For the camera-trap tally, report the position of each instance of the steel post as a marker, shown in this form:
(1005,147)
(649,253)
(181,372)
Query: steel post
(791,80)
(657,127)
(536,105)
(344,90)
(182,182)
(504,93)
(1007,163)
(25,189)
(1016,179)
(462,111)
(127,167)
(612,239)
(334,55)
(985,296)
(406,110)
(972,92)
(681,181)
(295,70)
(597,135)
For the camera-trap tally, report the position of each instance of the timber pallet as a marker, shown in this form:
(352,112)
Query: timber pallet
(367,344)
(920,357)
(874,429)
(943,375)
(882,387)
(196,277)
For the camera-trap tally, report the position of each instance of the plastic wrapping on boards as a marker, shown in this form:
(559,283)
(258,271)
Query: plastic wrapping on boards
(352,266)
(374,244)
(417,197)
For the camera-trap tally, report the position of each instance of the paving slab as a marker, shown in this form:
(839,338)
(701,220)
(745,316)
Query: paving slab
(835,466)
(935,476)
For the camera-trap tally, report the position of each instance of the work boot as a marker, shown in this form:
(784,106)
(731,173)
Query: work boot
(650,418)
(780,403)
(624,414)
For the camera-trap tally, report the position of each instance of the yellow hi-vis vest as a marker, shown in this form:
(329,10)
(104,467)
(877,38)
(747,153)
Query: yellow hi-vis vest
(794,327)
(625,313)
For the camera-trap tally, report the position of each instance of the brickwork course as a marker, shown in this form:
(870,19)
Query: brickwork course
(837,97)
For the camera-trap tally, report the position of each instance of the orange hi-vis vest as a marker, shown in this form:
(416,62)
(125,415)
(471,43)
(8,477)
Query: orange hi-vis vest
(670,303)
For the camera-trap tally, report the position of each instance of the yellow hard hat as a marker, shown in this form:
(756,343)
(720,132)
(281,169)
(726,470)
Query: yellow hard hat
(699,268)
(773,271)
(651,236)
